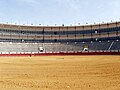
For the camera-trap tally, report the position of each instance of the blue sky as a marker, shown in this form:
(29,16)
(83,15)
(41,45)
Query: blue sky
(51,12)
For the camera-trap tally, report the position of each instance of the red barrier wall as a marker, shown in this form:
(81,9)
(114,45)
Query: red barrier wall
(62,54)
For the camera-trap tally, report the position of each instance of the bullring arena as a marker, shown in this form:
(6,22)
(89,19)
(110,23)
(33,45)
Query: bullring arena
(60,57)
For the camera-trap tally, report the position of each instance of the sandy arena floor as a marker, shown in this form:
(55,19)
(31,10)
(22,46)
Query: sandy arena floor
(60,73)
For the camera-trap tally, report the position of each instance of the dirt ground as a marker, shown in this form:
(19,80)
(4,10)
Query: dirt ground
(60,73)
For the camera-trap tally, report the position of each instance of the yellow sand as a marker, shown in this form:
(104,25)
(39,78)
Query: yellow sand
(60,73)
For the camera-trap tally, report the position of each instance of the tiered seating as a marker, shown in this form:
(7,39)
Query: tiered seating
(103,34)
(116,45)
(58,47)
(64,39)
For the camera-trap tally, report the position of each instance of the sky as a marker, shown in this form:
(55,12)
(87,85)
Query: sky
(51,12)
